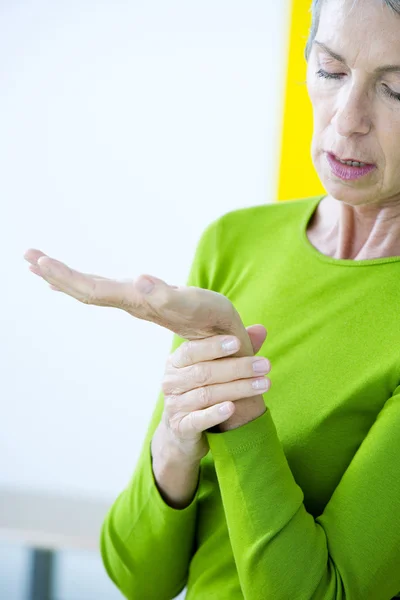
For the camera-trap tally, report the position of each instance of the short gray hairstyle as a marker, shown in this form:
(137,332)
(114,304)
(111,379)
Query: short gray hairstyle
(316,12)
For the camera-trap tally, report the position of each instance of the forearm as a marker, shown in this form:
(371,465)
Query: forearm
(139,521)
(176,479)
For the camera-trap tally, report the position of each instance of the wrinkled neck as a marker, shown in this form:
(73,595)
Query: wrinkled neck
(350,232)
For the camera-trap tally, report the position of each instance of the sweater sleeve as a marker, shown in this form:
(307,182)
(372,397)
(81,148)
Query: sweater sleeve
(140,529)
(351,551)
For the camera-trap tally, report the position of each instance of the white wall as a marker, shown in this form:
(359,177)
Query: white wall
(126,127)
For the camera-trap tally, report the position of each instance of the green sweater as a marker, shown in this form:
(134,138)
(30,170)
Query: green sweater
(303,502)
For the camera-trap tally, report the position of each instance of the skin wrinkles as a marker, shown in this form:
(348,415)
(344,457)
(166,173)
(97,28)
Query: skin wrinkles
(354,117)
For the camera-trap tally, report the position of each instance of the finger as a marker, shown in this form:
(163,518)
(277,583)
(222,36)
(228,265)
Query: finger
(35,270)
(257,335)
(195,351)
(85,287)
(126,294)
(224,370)
(32,256)
(201,420)
(81,286)
(209,395)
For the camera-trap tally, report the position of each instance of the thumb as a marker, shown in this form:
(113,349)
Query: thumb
(257,335)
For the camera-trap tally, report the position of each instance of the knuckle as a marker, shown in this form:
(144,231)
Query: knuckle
(166,385)
(174,387)
(170,403)
(125,303)
(124,296)
(171,363)
(204,396)
(201,373)
(91,296)
(86,299)
(174,425)
(194,421)
(186,352)
(181,356)
(168,363)
(236,368)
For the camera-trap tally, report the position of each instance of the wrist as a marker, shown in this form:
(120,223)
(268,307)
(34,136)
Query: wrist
(176,478)
(246,410)
(168,451)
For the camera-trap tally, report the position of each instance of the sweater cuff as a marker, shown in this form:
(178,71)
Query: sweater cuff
(235,441)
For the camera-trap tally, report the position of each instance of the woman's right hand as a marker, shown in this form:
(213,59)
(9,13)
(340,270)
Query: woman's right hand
(192,313)
(199,379)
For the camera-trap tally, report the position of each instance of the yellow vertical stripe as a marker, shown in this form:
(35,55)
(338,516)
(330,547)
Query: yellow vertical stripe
(297,175)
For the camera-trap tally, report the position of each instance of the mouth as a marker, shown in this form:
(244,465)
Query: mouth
(348,171)
(349,161)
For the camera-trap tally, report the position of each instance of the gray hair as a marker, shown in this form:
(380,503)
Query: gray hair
(316,12)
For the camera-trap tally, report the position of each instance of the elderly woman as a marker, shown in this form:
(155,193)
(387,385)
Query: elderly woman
(299,498)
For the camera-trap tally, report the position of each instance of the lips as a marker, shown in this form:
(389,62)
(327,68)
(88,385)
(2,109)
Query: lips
(348,172)
(361,160)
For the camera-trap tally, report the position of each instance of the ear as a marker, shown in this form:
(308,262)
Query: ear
(257,335)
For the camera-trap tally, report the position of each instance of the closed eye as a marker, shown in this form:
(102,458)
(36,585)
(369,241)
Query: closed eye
(326,75)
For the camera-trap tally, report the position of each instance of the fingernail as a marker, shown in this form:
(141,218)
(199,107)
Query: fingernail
(43,267)
(260,366)
(260,384)
(225,409)
(145,285)
(230,344)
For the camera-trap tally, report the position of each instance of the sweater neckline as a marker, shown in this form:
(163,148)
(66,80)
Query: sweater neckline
(345,262)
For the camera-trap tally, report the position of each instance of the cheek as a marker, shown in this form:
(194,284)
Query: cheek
(320,102)
(389,141)
(391,162)
(386,141)
(321,109)
(311,89)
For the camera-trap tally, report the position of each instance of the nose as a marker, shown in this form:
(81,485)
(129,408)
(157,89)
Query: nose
(353,112)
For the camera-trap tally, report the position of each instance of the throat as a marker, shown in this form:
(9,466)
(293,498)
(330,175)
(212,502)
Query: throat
(337,231)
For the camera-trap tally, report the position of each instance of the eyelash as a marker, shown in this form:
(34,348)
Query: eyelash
(326,75)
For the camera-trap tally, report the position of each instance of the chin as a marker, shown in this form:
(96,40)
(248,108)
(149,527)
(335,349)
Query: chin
(348,195)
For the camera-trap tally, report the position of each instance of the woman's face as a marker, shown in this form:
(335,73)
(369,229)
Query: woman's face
(355,114)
